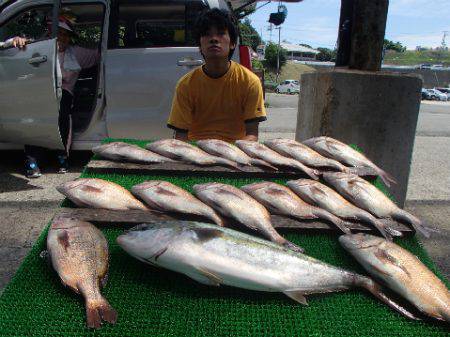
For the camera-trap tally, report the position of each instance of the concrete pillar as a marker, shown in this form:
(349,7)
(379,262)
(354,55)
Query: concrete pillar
(377,111)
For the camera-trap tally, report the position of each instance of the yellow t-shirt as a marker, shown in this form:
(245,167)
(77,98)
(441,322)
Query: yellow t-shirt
(217,107)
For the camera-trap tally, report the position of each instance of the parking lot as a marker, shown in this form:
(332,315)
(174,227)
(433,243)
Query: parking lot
(26,205)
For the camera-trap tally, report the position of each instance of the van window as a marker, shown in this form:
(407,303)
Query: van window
(31,23)
(142,24)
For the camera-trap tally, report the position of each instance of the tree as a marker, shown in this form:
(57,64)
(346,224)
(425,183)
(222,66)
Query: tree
(326,54)
(249,35)
(270,56)
(305,45)
(391,45)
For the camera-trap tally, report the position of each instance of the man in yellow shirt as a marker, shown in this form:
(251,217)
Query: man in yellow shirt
(221,99)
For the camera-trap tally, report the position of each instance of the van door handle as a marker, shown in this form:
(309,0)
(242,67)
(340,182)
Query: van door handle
(38,59)
(189,62)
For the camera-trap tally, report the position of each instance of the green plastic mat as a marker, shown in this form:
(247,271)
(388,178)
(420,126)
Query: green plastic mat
(157,302)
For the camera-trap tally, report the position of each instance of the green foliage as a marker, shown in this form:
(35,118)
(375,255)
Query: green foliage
(88,36)
(270,56)
(249,35)
(257,64)
(391,45)
(326,54)
(413,57)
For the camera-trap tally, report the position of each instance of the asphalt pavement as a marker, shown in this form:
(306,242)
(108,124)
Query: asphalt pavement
(26,206)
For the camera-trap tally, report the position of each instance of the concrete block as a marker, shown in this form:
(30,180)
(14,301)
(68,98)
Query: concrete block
(377,111)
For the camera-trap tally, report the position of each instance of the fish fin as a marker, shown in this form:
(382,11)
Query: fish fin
(376,290)
(99,310)
(316,190)
(158,254)
(206,277)
(387,258)
(296,296)
(89,189)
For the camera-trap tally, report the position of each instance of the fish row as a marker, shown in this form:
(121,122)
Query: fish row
(214,256)
(308,157)
(250,205)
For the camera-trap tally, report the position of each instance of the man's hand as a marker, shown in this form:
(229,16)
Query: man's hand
(19,42)
(251,131)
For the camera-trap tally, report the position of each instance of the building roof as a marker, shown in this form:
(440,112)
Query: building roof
(300,49)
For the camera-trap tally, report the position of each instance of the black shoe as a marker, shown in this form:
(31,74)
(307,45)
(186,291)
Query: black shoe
(63,164)
(32,170)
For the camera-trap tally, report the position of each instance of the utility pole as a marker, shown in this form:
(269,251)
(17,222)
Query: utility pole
(270,28)
(278,52)
(443,44)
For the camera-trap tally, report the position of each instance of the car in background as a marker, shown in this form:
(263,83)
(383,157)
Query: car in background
(437,95)
(288,87)
(426,94)
(445,91)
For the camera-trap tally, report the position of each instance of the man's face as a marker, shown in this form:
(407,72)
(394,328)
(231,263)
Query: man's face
(63,39)
(216,44)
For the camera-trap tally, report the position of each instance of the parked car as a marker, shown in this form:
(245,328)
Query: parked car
(128,95)
(426,94)
(437,95)
(288,87)
(445,91)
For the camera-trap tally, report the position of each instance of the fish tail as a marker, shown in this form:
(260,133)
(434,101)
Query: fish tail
(386,177)
(217,219)
(259,162)
(293,246)
(99,310)
(338,222)
(312,173)
(337,165)
(385,230)
(415,222)
(229,163)
(376,290)
(274,236)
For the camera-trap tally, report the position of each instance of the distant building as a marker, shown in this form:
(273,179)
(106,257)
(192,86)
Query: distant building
(300,53)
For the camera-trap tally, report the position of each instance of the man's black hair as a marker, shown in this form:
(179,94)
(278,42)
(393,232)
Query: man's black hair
(221,19)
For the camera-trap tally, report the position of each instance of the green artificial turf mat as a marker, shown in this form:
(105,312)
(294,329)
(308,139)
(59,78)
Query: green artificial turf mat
(157,302)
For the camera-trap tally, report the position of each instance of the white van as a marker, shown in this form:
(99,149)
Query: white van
(146,46)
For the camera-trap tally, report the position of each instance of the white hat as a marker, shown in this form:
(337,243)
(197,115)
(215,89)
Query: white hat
(64,25)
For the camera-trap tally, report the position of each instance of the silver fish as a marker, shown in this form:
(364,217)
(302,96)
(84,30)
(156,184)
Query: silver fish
(402,272)
(324,197)
(179,150)
(129,152)
(98,193)
(229,151)
(258,150)
(302,153)
(164,196)
(366,196)
(79,254)
(215,255)
(232,202)
(339,151)
(279,199)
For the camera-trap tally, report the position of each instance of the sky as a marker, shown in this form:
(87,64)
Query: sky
(315,22)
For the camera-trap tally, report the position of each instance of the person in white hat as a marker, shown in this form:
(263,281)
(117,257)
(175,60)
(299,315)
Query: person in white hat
(72,59)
